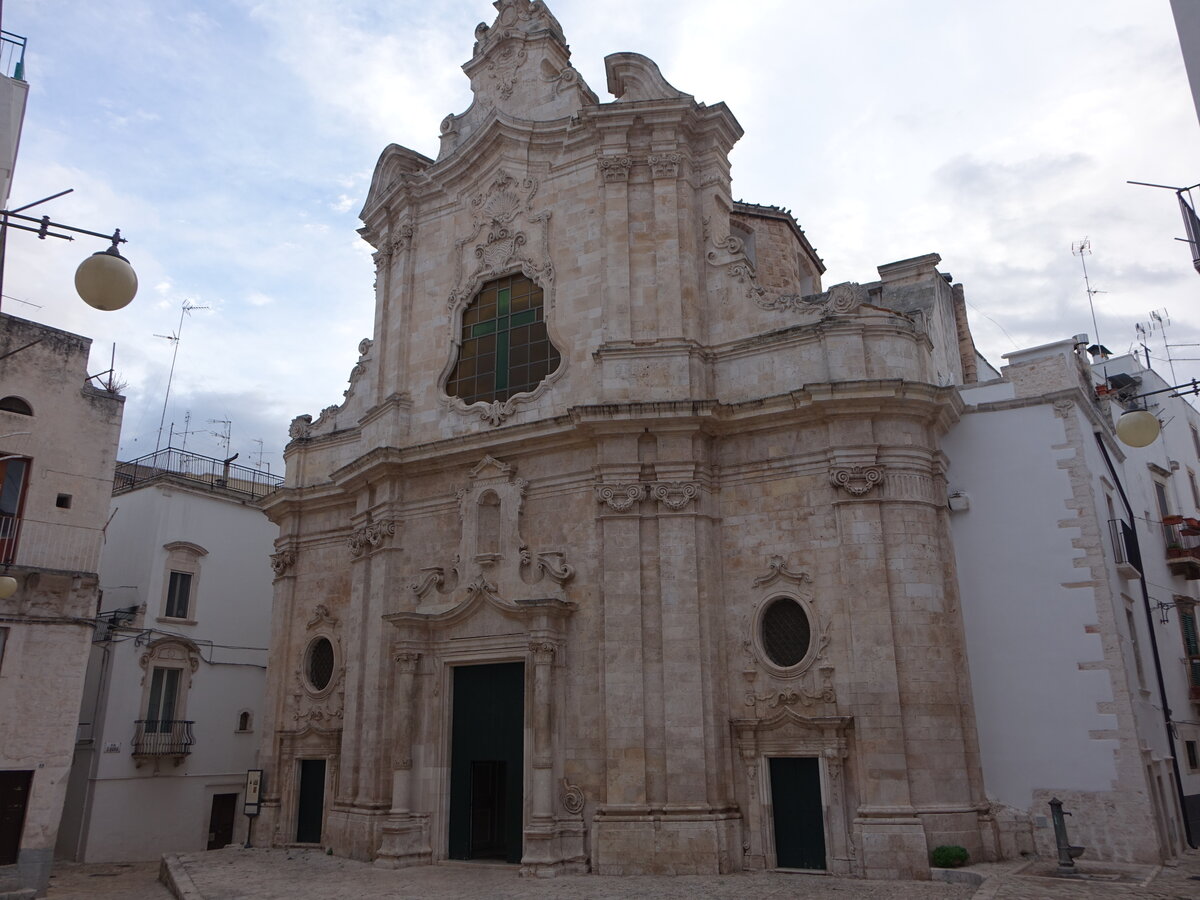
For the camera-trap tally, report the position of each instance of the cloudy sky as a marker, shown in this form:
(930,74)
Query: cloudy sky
(233,142)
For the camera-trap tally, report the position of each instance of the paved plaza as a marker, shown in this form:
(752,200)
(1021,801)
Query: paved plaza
(235,874)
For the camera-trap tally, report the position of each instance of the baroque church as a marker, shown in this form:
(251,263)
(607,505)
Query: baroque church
(627,550)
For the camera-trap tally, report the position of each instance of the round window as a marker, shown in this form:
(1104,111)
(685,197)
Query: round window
(786,633)
(319,665)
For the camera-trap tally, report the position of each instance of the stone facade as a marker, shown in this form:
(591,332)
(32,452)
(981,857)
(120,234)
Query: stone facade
(722,438)
(58,444)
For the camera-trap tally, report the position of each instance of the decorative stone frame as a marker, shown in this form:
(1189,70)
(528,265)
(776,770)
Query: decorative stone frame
(793,588)
(501,251)
(789,734)
(483,629)
(335,676)
(310,743)
(182,556)
(804,601)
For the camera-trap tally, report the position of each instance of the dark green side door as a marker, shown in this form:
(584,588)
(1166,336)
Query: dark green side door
(799,822)
(486,761)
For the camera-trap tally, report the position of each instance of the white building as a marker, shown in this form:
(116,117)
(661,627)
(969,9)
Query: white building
(1064,647)
(170,717)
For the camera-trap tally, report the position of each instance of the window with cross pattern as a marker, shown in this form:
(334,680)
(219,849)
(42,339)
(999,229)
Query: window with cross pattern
(505,349)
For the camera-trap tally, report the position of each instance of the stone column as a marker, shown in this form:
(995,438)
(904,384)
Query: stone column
(543,772)
(405,702)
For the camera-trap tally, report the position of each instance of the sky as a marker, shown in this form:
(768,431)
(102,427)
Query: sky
(233,142)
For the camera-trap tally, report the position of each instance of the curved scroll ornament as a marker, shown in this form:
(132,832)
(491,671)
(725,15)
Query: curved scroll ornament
(370,536)
(572,798)
(282,561)
(620,497)
(777,568)
(676,495)
(856,480)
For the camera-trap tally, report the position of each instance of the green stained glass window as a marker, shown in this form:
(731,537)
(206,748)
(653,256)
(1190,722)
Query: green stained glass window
(505,349)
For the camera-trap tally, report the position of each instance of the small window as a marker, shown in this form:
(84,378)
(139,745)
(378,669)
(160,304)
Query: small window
(1192,759)
(319,665)
(244,721)
(786,632)
(16,405)
(63,501)
(179,593)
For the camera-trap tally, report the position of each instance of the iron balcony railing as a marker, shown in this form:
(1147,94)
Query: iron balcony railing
(1125,545)
(10,528)
(162,737)
(12,55)
(200,470)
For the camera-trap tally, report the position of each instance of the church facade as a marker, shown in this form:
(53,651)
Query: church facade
(627,550)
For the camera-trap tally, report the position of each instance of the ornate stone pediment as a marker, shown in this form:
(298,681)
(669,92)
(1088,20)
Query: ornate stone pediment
(493,559)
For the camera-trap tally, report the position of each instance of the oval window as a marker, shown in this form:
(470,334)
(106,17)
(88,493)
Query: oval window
(786,633)
(319,665)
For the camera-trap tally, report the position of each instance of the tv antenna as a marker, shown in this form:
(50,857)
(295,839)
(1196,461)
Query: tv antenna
(259,465)
(173,337)
(1082,249)
(222,435)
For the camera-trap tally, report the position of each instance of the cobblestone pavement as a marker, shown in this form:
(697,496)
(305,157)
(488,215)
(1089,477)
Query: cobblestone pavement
(127,881)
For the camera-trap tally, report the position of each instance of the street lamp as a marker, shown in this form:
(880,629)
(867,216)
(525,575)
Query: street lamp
(104,280)
(1137,426)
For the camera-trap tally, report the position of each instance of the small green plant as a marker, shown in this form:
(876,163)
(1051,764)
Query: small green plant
(949,857)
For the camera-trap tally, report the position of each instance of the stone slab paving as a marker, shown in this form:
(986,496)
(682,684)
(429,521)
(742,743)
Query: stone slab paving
(233,874)
(127,881)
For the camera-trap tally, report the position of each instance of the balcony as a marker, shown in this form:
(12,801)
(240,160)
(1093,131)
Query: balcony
(12,56)
(1183,546)
(156,739)
(1126,555)
(196,471)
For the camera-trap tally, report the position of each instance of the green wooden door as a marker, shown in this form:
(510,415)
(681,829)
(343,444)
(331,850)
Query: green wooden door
(486,762)
(799,819)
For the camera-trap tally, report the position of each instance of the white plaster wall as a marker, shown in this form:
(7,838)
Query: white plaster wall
(1025,632)
(136,812)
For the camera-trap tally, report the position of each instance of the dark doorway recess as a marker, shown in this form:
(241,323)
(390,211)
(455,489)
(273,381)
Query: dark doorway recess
(220,820)
(486,762)
(14,798)
(311,808)
(799,822)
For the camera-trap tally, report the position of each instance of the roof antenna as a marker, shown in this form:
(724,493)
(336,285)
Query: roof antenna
(173,337)
(1082,249)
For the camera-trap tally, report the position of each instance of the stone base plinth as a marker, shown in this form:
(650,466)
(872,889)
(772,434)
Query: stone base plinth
(893,848)
(354,832)
(631,842)
(555,848)
(404,842)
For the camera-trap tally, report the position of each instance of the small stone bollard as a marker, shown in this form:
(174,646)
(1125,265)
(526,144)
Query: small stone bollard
(1066,851)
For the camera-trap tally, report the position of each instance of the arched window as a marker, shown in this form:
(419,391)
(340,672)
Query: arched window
(505,348)
(16,405)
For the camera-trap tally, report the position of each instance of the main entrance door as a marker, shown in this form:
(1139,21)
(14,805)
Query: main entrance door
(311,808)
(486,762)
(14,797)
(799,820)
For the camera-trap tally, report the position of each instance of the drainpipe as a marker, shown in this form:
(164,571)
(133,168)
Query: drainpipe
(1162,690)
